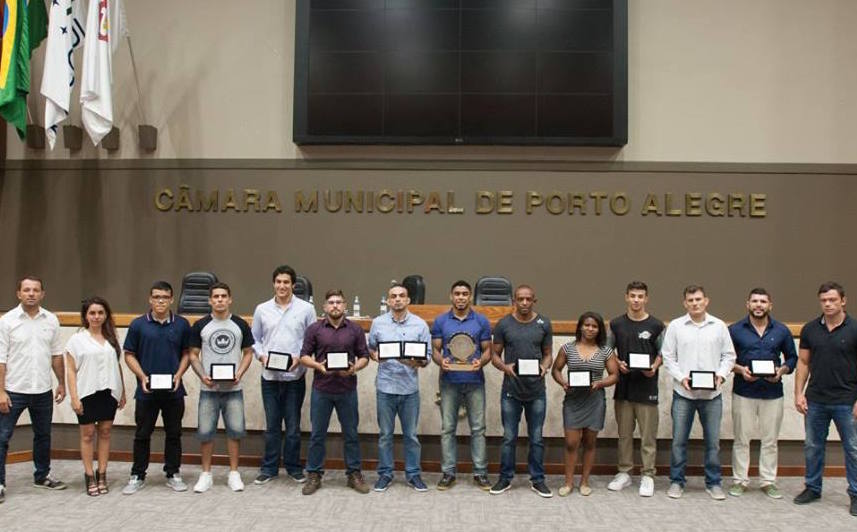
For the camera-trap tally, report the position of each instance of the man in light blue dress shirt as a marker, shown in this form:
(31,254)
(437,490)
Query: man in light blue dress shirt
(279,325)
(397,384)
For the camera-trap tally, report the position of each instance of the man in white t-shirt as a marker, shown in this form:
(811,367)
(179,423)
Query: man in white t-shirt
(29,349)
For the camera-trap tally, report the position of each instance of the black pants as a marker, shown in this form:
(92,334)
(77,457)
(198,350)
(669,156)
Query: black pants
(146,413)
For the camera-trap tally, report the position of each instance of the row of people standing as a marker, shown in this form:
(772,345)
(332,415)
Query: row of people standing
(160,343)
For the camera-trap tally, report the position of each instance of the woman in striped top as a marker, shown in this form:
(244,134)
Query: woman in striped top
(583,409)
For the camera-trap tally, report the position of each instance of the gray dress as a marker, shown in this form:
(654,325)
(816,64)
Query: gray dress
(582,408)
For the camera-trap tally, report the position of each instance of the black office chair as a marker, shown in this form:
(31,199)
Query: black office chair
(194,294)
(302,288)
(493,291)
(416,288)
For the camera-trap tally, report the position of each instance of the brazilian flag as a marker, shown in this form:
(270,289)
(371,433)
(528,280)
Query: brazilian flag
(20,18)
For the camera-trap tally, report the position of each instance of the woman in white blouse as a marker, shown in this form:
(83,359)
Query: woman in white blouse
(95,386)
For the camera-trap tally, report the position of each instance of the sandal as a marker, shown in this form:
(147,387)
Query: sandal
(101,481)
(91,486)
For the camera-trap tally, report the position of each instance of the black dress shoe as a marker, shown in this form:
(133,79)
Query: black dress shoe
(854,505)
(807,496)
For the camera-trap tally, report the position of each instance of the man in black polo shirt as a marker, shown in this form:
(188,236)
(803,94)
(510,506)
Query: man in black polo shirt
(157,343)
(828,357)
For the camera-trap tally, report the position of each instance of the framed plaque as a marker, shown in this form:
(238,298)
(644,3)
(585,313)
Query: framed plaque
(278,361)
(579,379)
(336,360)
(161,381)
(763,368)
(641,361)
(415,350)
(702,380)
(462,347)
(389,350)
(528,367)
(223,372)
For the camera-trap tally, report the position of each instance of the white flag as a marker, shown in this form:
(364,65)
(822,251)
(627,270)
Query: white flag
(65,33)
(96,84)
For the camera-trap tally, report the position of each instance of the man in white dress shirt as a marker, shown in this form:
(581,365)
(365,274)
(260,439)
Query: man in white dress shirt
(279,325)
(695,342)
(29,348)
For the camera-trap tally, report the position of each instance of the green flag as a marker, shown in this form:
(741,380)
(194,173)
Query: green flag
(38,18)
(15,65)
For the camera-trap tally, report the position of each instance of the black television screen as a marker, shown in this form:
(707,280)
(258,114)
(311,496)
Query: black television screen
(537,72)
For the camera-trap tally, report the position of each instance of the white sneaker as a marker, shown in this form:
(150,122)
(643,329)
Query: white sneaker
(134,485)
(176,483)
(204,483)
(234,481)
(2,493)
(647,486)
(675,491)
(621,481)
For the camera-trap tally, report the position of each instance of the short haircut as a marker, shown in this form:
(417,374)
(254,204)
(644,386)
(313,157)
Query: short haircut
(219,286)
(601,339)
(692,289)
(463,283)
(637,285)
(30,278)
(758,291)
(399,285)
(524,287)
(161,285)
(831,285)
(333,292)
(288,270)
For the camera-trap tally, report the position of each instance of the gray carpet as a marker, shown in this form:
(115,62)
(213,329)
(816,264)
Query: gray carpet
(279,505)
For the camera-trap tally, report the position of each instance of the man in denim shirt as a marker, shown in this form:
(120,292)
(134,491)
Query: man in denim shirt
(398,391)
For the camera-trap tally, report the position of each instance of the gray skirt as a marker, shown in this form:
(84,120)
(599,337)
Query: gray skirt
(584,410)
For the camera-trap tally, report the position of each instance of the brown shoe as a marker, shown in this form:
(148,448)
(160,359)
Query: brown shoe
(312,484)
(355,482)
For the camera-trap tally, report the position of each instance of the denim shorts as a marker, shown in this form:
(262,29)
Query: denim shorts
(211,405)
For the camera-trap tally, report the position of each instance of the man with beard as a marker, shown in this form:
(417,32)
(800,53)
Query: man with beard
(758,399)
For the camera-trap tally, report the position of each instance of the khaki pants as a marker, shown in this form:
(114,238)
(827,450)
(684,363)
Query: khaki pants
(746,414)
(645,416)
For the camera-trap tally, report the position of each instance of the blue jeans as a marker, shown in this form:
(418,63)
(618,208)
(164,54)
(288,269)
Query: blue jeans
(321,405)
(473,398)
(212,405)
(510,413)
(282,401)
(710,412)
(407,407)
(817,424)
(41,407)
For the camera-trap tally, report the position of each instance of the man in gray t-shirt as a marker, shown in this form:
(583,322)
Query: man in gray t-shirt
(523,341)
(225,339)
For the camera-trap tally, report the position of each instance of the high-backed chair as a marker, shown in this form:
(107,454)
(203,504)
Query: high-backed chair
(416,288)
(194,294)
(302,288)
(495,291)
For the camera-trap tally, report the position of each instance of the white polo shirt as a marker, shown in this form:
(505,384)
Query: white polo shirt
(690,346)
(26,347)
(97,365)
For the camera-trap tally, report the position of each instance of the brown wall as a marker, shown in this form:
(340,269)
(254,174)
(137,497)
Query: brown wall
(92,227)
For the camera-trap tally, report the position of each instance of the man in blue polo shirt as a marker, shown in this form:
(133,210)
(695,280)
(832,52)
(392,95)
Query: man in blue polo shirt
(758,399)
(158,343)
(462,383)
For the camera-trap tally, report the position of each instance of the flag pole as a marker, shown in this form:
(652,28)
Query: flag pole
(140,106)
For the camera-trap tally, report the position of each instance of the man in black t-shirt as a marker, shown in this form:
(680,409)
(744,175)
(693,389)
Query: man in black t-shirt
(639,336)
(523,342)
(828,358)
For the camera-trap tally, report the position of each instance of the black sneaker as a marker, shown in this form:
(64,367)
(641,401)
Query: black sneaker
(482,482)
(262,478)
(49,483)
(446,482)
(807,496)
(501,486)
(542,489)
(853,505)
(298,477)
